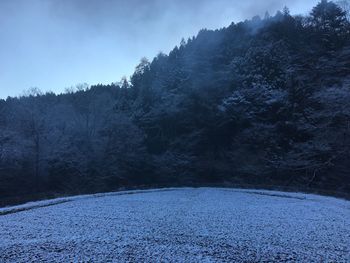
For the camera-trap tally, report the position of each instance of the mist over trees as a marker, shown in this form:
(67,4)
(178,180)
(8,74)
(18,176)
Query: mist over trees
(261,102)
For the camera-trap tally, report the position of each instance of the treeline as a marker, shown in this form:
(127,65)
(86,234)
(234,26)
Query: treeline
(261,102)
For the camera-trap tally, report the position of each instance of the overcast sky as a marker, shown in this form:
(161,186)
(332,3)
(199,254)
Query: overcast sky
(55,44)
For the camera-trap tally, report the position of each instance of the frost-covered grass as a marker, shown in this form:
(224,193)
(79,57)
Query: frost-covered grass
(188,225)
(49,202)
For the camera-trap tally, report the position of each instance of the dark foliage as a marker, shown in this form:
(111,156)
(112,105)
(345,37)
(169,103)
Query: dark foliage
(262,102)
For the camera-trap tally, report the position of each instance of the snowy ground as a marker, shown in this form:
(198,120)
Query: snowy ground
(179,225)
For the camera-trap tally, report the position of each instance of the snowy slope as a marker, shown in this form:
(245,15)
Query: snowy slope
(181,225)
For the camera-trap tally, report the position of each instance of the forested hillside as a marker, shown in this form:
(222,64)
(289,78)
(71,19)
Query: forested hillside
(261,102)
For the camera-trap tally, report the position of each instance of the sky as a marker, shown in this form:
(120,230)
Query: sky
(57,44)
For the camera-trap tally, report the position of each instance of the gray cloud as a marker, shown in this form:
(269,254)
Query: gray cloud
(53,44)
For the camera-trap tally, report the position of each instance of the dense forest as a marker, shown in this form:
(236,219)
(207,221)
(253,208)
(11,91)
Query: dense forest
(264,102)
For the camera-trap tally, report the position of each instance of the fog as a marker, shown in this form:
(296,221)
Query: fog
(55,44)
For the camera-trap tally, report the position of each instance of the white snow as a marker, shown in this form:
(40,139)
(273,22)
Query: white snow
(179,225)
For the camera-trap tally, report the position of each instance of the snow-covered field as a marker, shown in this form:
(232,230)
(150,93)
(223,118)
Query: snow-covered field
(179,225)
